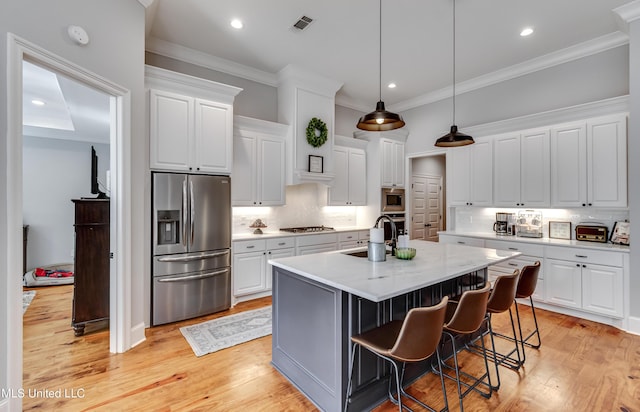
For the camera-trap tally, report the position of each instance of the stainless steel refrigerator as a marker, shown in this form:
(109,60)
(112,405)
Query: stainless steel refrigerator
(191,265)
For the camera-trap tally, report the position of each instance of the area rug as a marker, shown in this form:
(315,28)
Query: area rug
(227,331)
(27,297)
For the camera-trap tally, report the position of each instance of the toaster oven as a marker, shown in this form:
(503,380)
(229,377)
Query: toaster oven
(592,233)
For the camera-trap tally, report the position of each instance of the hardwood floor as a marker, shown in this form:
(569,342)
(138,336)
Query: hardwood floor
(581,366)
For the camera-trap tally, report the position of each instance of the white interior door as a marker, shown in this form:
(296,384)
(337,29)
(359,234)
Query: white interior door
(426,209)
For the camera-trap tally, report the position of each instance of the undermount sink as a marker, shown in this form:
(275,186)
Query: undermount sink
(363,253)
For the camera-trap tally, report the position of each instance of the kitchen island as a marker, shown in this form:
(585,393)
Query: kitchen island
(321,300)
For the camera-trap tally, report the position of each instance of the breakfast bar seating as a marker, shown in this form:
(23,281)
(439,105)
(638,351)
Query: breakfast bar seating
(320,301)
(466,317)
(413,339)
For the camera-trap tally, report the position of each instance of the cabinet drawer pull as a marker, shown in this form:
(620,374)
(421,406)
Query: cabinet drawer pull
(513,264)
(250,247)
(461,243)
(282,243)
(582,256)
(513,248)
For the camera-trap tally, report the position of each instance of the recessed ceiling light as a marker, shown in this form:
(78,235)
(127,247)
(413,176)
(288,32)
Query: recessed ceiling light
(37,102)
(392,85)
(237,24)
(526,32)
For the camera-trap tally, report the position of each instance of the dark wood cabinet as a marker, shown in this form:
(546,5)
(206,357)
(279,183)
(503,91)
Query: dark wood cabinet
(92,259)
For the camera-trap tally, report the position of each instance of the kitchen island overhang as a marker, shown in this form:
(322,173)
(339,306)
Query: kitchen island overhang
(321,300)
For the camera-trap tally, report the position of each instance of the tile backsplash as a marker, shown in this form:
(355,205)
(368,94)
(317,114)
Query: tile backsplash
(304,207)
(473,219)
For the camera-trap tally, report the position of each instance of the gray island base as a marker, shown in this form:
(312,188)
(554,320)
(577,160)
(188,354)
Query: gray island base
(321,300)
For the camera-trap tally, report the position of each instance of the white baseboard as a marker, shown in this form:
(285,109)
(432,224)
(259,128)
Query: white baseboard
(634,325)
(137,334)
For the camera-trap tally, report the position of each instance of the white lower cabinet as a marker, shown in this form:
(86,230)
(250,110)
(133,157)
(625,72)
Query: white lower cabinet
(251,270)
(585,279)
(316,243)
(461,240)
(530,255)
(350,240)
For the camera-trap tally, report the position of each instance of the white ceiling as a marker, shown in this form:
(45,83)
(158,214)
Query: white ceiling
(71,110)
(342,43)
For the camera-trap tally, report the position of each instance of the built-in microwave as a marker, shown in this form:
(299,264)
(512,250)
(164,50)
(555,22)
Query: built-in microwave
(393,199)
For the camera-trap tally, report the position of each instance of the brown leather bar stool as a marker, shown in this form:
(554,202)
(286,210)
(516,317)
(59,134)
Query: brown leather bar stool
(463,318)
(500,300)
(526,287)
(413,339)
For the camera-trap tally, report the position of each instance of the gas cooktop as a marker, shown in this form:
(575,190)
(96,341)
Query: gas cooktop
(306,229)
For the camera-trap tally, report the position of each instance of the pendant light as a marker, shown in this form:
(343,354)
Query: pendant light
(380,119)
(454,138)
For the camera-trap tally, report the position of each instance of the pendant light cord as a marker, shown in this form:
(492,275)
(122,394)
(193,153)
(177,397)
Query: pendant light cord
(454,62)
(380,56)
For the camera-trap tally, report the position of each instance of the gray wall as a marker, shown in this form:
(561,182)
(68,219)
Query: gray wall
(54,172)
(115,52)
(634,165)
(346,120)
(256,100)
(585,80)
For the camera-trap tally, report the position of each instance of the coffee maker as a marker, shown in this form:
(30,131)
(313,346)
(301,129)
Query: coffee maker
(504,224)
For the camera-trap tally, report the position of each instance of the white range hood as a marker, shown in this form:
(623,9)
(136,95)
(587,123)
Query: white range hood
(303,95)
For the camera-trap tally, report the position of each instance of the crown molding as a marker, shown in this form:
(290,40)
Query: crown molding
(627,13)
(567,114)
(250,124)
(156,77)
(566,55)
(292,74)
(588,48)
(188,55)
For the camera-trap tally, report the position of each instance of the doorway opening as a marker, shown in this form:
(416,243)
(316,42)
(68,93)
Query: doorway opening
(427,196)
(19,51)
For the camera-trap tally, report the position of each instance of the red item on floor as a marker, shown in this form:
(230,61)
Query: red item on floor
(39,272)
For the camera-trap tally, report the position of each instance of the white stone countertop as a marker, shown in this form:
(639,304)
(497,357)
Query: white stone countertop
(541,241)
(378,281)
(248,235)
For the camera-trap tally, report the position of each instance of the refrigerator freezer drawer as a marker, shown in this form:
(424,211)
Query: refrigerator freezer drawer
(191,262)
(185,296)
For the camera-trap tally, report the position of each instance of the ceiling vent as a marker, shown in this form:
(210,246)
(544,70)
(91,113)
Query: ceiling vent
(302,23)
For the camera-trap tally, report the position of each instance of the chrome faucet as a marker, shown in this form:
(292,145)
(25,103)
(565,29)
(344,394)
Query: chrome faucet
(394,236)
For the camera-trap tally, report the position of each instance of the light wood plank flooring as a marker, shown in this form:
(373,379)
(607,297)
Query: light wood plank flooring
(582,366)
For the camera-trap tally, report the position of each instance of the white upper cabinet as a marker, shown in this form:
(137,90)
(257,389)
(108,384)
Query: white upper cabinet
(258,177)
(213,131)
(392,163)
(170,125)
(589,163)
(350,183)
(521,172)
(469,174)
(190,123)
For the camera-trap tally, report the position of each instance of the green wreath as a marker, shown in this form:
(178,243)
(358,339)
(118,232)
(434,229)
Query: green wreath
(314,139)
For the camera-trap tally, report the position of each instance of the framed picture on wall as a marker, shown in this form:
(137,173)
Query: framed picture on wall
(560,230)
(621,233)
(316,164)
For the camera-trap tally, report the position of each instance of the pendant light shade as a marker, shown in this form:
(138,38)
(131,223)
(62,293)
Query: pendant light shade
(380,119)
(454,138)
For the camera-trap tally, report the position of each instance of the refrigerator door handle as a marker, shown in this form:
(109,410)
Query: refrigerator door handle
(194,277)
(184,213)
(192,258)
(193,210)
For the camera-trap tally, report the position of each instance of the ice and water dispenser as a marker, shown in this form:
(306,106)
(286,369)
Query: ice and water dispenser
(168,227)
